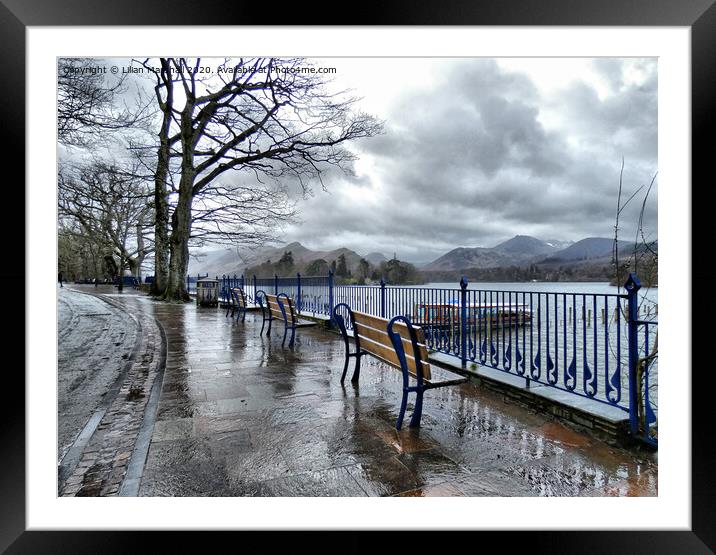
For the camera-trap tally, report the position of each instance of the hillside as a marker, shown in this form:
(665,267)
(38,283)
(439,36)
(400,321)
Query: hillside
(520,250)
(520,258)
(375,258)
(229,261)
(588,249)
(524,245)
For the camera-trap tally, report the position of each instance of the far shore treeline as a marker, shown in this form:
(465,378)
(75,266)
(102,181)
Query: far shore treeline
(394,272)
(398,272)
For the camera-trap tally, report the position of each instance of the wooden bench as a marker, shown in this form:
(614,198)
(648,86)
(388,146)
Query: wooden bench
(237,303)
(280,307)
(401,345)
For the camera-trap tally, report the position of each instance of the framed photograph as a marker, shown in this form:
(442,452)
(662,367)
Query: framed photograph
(601,95)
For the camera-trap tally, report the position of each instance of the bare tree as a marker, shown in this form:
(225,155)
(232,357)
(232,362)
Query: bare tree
(642,260)
(109,206)
(258,119)
(80,256)
(90,102)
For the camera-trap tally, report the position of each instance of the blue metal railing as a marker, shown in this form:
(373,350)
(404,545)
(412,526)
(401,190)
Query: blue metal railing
(596,346)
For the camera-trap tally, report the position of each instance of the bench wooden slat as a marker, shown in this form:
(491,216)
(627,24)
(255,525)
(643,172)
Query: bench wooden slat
(291,309)
(402,330)
(381,323)
(273,306)
(382,338)
(378,337)
(399,328)
(240,297)
(388,355)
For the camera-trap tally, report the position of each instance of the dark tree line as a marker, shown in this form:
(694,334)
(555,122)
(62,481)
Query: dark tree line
(394,272)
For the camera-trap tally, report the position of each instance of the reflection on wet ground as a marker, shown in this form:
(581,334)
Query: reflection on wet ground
(240,415)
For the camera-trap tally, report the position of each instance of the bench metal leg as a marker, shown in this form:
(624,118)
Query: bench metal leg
(268,332)
(293,337)
(418,410)
(356,371)
(401,415)
(285,331)
(243,315)
(345,366)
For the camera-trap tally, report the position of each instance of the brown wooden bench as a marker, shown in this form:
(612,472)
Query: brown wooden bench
(280,307)
(401,345)
(237,304)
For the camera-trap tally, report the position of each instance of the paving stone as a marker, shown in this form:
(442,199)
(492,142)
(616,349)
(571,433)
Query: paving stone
(384,478)
(256,466)
(493,483)
(432,467)
(439,490)
(332,482)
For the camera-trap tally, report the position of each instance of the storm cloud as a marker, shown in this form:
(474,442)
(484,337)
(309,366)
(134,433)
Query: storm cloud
(484,154)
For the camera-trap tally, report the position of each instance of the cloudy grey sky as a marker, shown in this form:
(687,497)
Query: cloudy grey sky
(476,151)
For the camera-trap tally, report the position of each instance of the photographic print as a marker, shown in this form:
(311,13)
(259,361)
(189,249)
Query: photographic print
(350,277)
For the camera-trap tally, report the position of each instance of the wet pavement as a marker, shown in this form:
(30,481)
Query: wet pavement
(95,339)
(240,415)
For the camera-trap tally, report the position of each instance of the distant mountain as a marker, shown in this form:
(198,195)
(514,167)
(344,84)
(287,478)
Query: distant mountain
(464,257)
(520,250)
(557,244)
(218,262)
(524,245)
(231,261)
(588,249)
(523,250)
(375,258)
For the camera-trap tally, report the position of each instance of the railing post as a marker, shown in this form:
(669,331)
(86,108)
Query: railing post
(275,284)
(298,291)
(224,289)
(254,280)
(330,295)
(242,281)
(382,298)
(463,321)
(632,287)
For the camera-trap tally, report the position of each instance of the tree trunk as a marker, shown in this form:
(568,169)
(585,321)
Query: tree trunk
(138,268)
(161,222)
(161,202)
(179,241)
(141,253)
(122,264)
(181,218)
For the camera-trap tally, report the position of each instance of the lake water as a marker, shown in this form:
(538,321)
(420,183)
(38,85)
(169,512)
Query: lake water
(579,287)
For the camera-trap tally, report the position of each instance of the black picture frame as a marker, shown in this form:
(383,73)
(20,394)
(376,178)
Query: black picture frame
(17,15)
